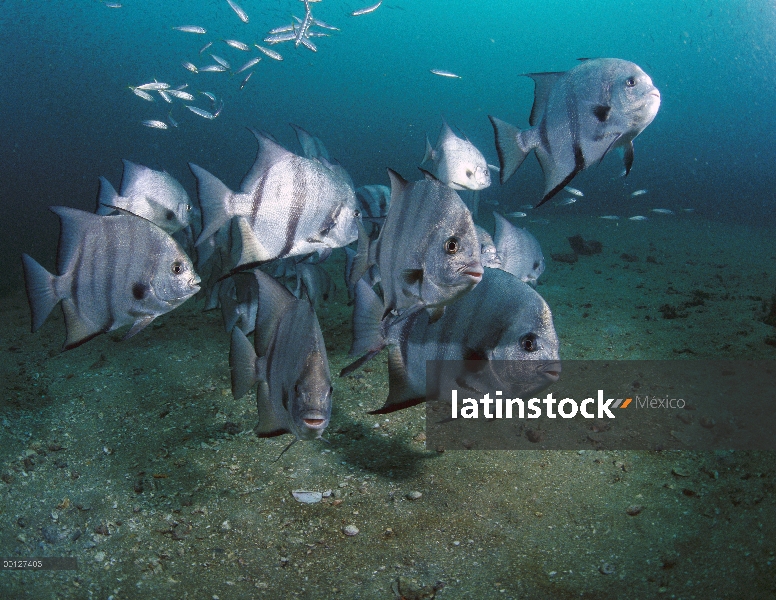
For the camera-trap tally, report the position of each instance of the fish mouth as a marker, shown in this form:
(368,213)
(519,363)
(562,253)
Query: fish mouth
(314,422)
(551,371)
(474,271)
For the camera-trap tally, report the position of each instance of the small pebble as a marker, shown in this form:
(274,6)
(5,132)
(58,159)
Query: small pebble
(707,422)
(634,509)
(306,496)
(50,534)
(414,495)
(607,569)
(350,530)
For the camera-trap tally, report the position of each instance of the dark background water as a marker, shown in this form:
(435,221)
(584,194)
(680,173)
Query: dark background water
(68,116)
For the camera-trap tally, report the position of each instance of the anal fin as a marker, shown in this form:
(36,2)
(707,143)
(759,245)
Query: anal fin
(400,393)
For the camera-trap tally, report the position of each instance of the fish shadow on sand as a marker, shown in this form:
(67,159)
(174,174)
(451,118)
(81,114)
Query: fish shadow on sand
(359,444)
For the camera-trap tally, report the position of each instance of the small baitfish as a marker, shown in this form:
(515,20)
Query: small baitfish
(442,73)
(154,124)
(367,10)
(191,29)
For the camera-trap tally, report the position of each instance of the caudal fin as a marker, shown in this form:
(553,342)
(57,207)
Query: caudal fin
(214,200)
(40,291)
(511,153)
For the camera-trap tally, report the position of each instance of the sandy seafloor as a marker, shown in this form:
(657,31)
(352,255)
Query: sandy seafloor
(124,455)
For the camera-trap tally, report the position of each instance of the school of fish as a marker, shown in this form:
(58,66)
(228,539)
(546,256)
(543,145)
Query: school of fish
(426,281)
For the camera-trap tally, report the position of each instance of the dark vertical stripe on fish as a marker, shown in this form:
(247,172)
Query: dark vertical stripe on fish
(75,279)
(404,336)
(97,243)
(111,266)
(543,137)
(296,208)
(573,118)
(256,201)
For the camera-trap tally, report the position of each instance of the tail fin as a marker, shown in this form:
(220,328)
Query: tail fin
(106,197)
(511,153)
(40,291)
(214,200)
(242,362)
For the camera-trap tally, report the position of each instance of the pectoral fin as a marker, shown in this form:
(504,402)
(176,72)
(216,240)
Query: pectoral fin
(138,326)
(601,112)
(627,157)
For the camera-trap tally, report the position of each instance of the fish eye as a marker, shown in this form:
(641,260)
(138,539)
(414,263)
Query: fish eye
(357,213)
(630,82)
(177,267)
(528,342)
(452,245)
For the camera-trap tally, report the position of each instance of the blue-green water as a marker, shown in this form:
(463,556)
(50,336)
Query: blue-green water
(534,524)
(68,116)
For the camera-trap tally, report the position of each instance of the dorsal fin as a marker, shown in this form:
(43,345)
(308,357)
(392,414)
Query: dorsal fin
(397,181)
(398,186)
(428,174)
(269,153)
(544,82)
(133,173)
(73,226)
(312,147)
(445,133)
